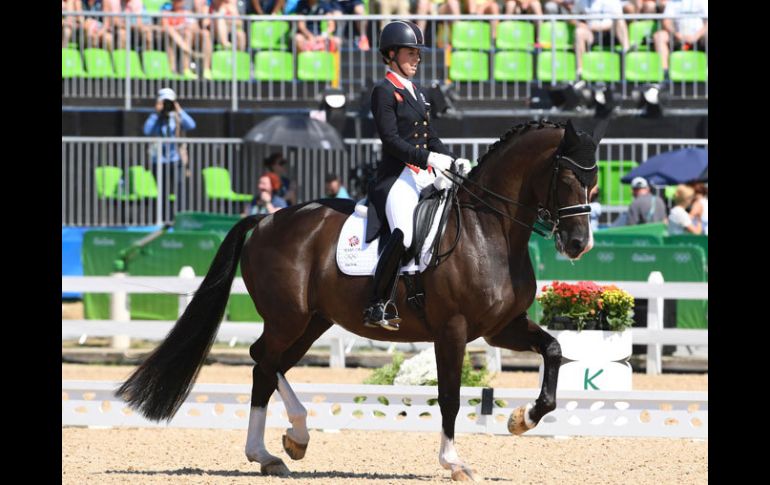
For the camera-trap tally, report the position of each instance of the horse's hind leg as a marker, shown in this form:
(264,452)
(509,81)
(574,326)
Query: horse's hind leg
(524,334)
(273,356)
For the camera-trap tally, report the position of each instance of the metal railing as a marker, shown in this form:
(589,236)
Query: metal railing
(93,197)
(198,70)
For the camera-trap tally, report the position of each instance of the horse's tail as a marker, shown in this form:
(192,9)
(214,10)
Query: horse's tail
(162,382)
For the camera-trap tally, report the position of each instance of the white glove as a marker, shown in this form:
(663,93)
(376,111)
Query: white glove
(441,182)
(439,161)
(463,166)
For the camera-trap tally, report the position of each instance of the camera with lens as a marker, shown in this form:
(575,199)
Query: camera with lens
(168,106)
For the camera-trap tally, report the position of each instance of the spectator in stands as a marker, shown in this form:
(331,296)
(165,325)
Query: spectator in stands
(432,7)
(276,163)
(679,220)
(596,208)
(264,7)
(67,22)
(309,35)
(700,205)
(184,31)
(646,207)
(400,8)
(684,33)
(556,7)
(334,187)
(98,29)
(170,121)
(354,7)
(518,7)
(481,7)
(223,29)
(601,30)
(266,201)
(639,6)
(140,31)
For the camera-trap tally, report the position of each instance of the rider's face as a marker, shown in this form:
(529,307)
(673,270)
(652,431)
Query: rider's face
(408,58)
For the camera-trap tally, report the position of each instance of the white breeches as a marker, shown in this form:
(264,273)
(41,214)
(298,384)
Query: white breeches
(403,198)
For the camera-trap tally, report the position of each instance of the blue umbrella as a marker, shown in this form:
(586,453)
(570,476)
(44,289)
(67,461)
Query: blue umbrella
(671,168)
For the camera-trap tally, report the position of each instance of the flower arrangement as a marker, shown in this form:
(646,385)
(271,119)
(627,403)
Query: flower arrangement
(420,370)
(586,306)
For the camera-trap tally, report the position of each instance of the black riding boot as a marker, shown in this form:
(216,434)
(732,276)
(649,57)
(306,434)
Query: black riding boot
(384,278)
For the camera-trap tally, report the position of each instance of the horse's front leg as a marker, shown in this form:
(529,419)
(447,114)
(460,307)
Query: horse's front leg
(450,351)
(524,334)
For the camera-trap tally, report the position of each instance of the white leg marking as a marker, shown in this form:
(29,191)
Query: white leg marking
(295,410)
(447,456)
(527,420)
(255,440)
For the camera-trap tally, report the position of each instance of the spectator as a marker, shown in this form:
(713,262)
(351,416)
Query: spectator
(184,31)
(400,8)
(170,121)
(277,164)
(334,188)
(688,33)
(596,208)
(266,201)
(223,29)
(700,205)
(646,207)
(639,6)
(586,34)
(442,7)
(264,7)
(679,220)
(309,36)
(533,7)
(354,7)
(140,31)
(480,7)
(98,29)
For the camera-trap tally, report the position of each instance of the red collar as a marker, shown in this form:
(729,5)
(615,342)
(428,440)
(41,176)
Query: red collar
(390,76)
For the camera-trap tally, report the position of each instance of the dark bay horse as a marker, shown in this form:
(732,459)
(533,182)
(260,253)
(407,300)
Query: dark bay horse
(538,171)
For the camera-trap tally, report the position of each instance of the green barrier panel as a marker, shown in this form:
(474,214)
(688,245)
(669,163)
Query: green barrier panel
(241,307)
(166,256)
(535,311)
(634,263)
(204,221)
(605,239)
(689,240)
(658,229)
(99,251)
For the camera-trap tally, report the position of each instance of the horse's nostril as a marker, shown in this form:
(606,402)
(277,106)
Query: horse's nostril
(576,244)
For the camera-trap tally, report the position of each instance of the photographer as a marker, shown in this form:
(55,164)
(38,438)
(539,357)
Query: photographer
(169,121)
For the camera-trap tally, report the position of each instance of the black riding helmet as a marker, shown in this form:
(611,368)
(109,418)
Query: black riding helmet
(400,33)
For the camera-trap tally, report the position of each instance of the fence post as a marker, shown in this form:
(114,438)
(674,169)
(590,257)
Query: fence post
(337,353)
(187,272)
(654,322)
(119,313)
(494,359)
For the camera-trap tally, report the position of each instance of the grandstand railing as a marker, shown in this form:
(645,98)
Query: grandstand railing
(88,200)
(351,69)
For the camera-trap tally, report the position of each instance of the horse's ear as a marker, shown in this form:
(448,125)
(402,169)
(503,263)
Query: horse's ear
(570,135)
(600,130)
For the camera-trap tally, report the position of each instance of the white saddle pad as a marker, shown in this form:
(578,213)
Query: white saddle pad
(357,258)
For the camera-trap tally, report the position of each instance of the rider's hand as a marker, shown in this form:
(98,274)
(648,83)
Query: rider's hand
(439,161)
(463,166)
(441,182)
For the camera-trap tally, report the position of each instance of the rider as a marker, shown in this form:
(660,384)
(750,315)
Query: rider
(412,158)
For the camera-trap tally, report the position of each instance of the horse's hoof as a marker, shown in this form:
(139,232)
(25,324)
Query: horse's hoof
(296,451)
(516,423)
(464,474)
(275,468)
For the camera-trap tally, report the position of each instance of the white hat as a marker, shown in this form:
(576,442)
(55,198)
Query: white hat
(639,183)
(166,93)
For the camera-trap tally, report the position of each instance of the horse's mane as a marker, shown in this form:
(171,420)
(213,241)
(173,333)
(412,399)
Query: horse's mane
(513,134)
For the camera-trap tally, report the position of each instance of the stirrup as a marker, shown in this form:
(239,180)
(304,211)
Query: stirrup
(376,316)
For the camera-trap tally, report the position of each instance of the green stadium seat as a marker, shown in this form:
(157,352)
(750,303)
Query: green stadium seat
(143,184)
(515,35)
(565,66)
(98,63)
(469,66)
(643,67)
(107,180)
(71,64)
(270,35)
(688,66)
(315,66)
(222,66)
(513,66)
(156,65)
(640,32)
(601,66)
(119,61)
(218,185)
(154,6)
(564,35)
(612,191)
(273,66)
(471,35)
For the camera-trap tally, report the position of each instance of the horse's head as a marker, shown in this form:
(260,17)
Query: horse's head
(573,173)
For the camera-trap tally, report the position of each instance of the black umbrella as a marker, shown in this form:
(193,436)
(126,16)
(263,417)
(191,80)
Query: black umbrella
(296,131)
